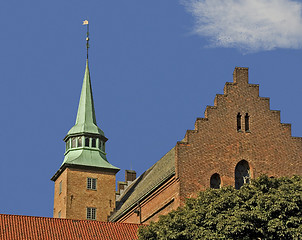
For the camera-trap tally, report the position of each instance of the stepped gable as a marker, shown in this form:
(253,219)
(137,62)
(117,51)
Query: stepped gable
(145,184)
(238,139)
(16,227)
(217,143)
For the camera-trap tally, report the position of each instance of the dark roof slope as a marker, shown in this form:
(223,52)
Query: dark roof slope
(145,184)
(16,227)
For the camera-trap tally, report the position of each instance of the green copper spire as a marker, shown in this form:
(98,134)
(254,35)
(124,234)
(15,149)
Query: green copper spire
(86,120)
(85,141)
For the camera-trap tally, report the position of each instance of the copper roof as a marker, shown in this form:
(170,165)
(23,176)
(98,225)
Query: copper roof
(16,227)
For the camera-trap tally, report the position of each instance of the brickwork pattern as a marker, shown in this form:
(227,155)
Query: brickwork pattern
(160,202)
(60,198)
(75,196)
(215,145)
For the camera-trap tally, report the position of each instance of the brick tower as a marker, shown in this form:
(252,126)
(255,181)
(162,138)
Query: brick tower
(85,182)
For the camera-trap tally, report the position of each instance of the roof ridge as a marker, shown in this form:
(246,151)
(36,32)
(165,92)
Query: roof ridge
(64,219)
(152,177)
(14,227)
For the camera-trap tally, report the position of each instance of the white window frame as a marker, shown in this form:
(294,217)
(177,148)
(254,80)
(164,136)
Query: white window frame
(91,183)
(90,213)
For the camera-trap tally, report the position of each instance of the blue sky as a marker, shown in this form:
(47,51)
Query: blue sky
(155,66)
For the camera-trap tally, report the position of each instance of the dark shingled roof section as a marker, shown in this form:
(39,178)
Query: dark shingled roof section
(145,184)
(16,227)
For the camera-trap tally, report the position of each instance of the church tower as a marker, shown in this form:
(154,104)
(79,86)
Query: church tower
(85,182)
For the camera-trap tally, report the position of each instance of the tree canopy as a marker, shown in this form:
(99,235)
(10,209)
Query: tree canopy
(267,208)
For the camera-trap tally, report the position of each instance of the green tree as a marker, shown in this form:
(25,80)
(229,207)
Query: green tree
(267,208)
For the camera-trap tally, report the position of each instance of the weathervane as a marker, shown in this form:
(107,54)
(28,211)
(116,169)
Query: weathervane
(85,22)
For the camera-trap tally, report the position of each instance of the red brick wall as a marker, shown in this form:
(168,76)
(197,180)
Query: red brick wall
(215,146)
(75,196)
(160,202)
(60,198)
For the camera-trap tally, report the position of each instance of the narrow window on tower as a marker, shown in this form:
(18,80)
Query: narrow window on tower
(93,143)
(60,187)
(100,144)
(247,122)
(91,213)
(86,142)
(238,122)
(59,214)
(91,183)
(73,142)
(79,141)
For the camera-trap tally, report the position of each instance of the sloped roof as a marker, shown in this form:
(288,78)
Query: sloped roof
(16,227)
(145,184)
(86,120)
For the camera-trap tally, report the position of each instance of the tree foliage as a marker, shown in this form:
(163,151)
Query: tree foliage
(267,208)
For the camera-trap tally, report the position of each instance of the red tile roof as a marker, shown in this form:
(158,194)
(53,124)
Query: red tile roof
(16,227)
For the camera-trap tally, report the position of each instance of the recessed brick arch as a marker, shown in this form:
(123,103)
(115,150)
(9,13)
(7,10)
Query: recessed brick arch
(242,173)
(215,181)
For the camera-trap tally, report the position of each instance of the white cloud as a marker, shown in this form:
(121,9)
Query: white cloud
(250,25)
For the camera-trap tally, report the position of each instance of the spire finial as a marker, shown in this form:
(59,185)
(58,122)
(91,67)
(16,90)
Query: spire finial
(85,22)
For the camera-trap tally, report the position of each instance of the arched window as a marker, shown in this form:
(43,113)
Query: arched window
(242,174)
(215,181)
(238,122)
(247,122)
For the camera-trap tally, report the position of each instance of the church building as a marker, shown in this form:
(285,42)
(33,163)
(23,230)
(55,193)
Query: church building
(238,139)
(85,182)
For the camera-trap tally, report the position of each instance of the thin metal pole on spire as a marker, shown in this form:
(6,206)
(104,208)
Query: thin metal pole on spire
(87,35)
